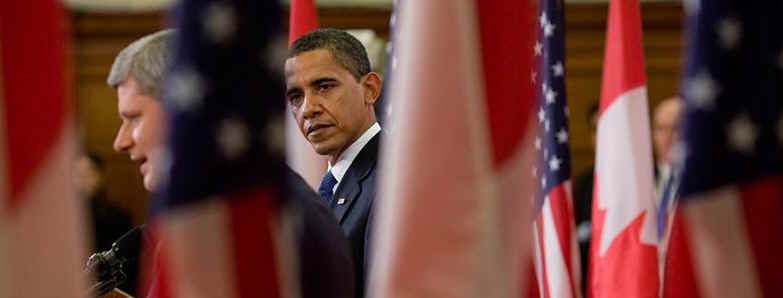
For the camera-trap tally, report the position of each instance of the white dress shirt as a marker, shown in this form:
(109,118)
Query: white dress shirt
(346,158)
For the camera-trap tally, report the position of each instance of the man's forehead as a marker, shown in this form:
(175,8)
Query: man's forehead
(129,96)
(668,110)
(315,62)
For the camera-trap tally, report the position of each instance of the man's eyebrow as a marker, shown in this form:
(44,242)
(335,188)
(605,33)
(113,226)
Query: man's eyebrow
(319,81)
(128,114)
(292,90)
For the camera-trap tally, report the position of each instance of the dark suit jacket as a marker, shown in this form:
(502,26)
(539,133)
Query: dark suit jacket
(357,193)
(325,261)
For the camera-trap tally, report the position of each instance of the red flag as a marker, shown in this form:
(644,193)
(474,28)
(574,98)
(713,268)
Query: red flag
(300,154)
(678,277)
(454,203)
(41,241)
(303,19)
(624,260)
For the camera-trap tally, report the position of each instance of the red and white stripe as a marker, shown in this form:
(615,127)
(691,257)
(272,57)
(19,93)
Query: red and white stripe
(624,260)
(226,247)
(453,211)
(41,222)
(300,155)
(557,252)
(730,236)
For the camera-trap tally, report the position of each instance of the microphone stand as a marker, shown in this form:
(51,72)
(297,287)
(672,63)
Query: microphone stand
(108,270)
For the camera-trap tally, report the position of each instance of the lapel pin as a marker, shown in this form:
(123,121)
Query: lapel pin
(341,201)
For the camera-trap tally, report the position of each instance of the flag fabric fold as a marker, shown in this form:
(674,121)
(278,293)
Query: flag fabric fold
(623,252)
(454,207)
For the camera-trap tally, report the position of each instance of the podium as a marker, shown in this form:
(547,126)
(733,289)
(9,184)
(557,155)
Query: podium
(116,293)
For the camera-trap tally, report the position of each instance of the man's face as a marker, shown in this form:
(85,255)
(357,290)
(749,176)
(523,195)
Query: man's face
(331,108)
(141,132)
(666,122)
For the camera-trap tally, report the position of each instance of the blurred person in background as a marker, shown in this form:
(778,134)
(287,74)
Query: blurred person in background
(325,262)
(108,222)
(666,124)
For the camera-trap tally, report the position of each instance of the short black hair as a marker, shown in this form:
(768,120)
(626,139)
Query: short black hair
(95,159)
(345,49)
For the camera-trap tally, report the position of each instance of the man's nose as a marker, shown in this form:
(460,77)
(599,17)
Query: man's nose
(123,141)
(311,106)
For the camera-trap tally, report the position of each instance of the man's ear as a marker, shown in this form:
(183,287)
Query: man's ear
(372,87)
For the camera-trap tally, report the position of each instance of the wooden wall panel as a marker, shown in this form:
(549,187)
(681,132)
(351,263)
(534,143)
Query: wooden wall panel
(97,38)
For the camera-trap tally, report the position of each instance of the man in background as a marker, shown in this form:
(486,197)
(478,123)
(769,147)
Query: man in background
(137,74)
(331,91)
(666,124)
(107,222)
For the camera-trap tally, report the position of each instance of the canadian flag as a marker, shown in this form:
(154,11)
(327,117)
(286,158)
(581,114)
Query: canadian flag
(623,252)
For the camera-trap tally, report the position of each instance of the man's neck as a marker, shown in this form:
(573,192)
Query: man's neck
(335,157)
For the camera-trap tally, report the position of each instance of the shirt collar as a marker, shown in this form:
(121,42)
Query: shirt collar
(664,171)
(346,158)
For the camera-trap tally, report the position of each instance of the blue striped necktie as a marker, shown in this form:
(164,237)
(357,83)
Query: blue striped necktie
(327,184)
(663,208)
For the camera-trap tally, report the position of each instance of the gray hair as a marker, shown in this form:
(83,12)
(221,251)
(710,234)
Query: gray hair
(145,60)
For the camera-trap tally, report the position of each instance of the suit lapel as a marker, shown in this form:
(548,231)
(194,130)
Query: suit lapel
(351,186)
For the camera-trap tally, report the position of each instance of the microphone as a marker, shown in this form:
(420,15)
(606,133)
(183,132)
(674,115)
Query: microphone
(107,266)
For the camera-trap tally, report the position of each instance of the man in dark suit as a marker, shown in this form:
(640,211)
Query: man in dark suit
(331,91)
(325,260)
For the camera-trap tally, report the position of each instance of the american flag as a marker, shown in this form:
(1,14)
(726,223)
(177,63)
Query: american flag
(41,219)
(557,256)
(218,214)
(383,107)
(727,225)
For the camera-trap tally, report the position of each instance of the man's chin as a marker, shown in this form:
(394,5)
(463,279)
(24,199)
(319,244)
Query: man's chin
(322,148)
(150,183)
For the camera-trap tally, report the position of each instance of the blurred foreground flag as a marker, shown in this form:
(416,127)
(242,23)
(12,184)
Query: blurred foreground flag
(300,155)
(41,241)
(455,205)
(218,215)
(727,225)
(557,254)
(303,18)
(623,248)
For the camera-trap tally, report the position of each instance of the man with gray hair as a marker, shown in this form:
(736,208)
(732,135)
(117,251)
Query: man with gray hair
(137,74)
(325,261)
